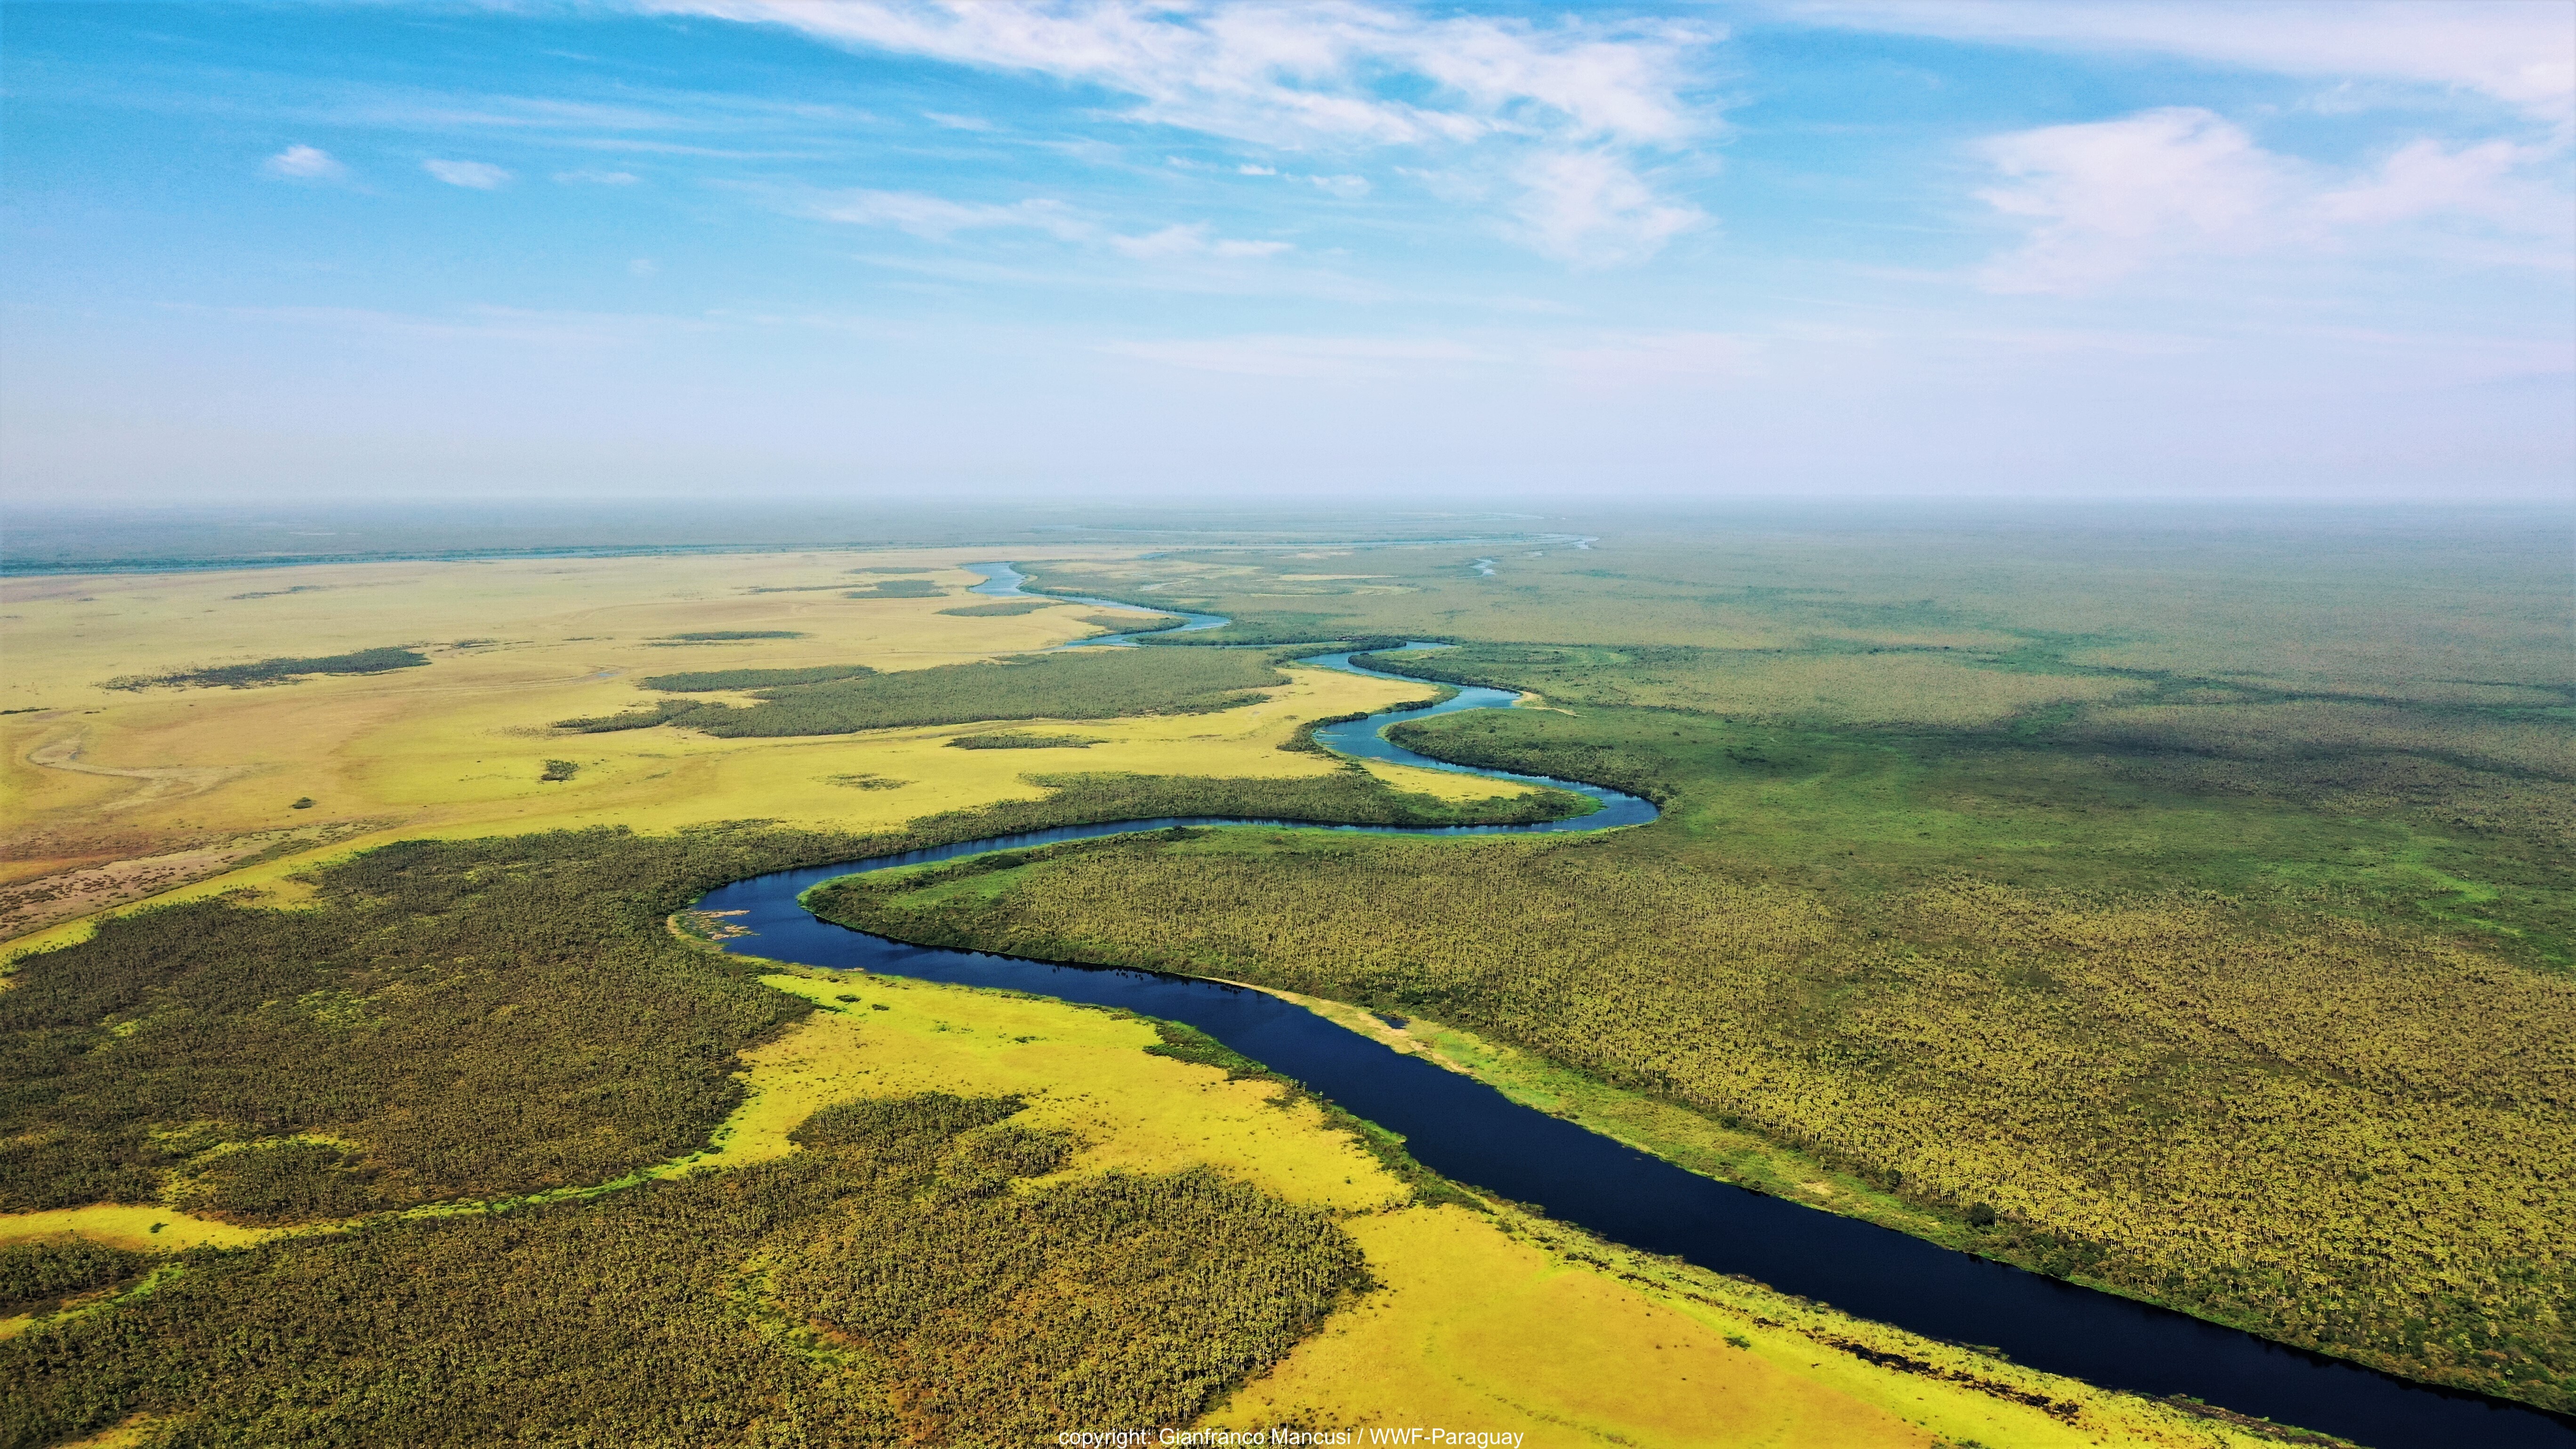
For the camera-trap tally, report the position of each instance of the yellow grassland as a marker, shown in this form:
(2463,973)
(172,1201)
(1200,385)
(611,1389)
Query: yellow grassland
(126,1225)
(1483,1320)
(115,796)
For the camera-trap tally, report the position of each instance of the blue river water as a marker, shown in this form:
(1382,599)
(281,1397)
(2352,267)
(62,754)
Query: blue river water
(1001,581)
(1473,1134)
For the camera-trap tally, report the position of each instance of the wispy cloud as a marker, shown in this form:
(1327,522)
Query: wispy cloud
(597,178)
(937,218)
(473,175)
(2521,52)
(1193,241)
(1589,209)
(1561,104)
(304,163)
(2106,199)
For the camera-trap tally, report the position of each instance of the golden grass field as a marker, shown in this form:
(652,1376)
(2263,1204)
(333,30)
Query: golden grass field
(115,796)
(1482,1320)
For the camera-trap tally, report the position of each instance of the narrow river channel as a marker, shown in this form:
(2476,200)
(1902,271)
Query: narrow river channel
(1473,1134)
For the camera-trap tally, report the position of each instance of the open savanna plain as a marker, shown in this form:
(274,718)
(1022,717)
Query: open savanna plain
(365,1078)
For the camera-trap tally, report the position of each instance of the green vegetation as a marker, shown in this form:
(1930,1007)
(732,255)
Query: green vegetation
(898,589)
(708,681)
(1022,740)
(274,671)
(2200,1029)
(894,1282)
(457,1019)
(1094,685)
(730,636)
(1001,608)
(558,771)
(38,1274)
(472,1019)
(1130,624)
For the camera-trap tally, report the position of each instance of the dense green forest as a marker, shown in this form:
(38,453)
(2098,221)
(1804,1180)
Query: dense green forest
(1092,684)
(275,671)
(886,1286)
(2225,962)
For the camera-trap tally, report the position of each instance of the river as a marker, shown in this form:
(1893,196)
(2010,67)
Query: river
(1473,1134)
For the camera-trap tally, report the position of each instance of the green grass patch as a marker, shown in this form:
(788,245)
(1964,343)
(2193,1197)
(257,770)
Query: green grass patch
(707,681)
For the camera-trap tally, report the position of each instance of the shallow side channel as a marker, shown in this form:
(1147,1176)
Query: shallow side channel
(1473,1134)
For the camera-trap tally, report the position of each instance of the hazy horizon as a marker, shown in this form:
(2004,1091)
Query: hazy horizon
(900,251)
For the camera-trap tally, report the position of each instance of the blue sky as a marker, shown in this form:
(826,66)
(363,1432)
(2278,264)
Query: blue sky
(1222,250)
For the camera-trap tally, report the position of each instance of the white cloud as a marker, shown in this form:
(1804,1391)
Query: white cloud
(1195,241)
(473,175)
(2521,52)
(1588,209)
(1248,169)
(641,267)
(957,123)
(595,178)
(937,218)
(1558,101)
(2106,199)
(304,163)
(1349,188)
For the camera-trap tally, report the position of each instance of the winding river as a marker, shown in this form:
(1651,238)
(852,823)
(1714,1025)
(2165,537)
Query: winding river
(1470,1132)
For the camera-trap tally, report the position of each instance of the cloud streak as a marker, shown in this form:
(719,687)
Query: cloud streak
(1563,107)
(472,175)
(2515,51)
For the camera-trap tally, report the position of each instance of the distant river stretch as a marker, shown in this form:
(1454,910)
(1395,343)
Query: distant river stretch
(1473,1134)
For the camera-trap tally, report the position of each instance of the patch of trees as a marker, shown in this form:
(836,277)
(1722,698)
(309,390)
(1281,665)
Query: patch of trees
(42,1272)
(470,1018)
(1002,608)
(728,636)
(895,1282)
(274,671)
(1093,685)
(1022,740)
(898,589)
